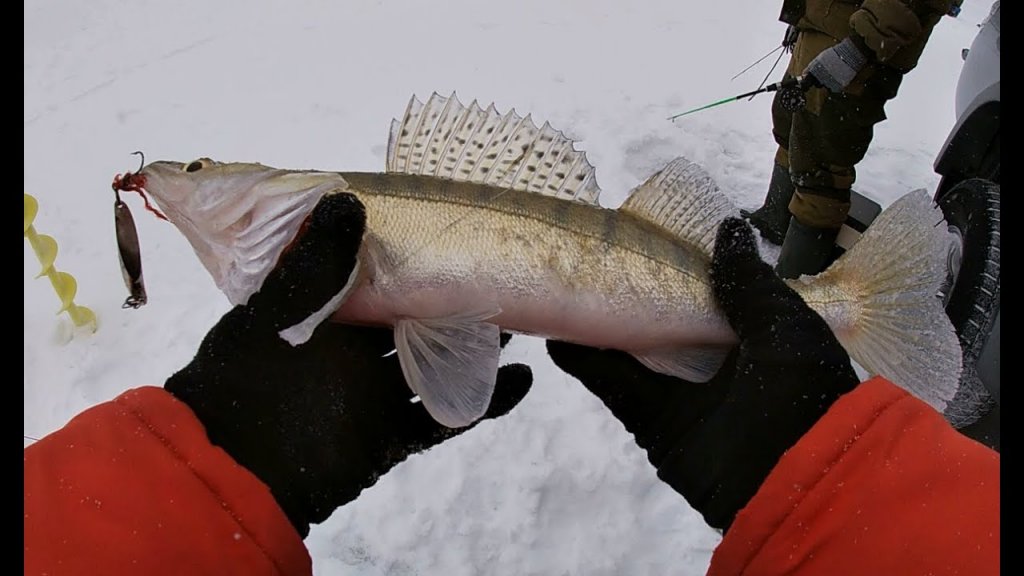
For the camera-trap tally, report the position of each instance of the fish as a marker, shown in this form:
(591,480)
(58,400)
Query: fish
(483,223)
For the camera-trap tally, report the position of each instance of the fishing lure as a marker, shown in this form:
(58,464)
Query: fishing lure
(128,238)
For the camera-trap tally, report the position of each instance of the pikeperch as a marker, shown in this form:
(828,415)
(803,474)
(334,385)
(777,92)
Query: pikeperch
(484,223)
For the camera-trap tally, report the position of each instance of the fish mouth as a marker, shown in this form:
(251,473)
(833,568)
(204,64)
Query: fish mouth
(134,182)
(238,217)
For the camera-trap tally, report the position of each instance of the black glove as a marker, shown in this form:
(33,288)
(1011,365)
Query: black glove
(715,443)
(836,67)
(319,422)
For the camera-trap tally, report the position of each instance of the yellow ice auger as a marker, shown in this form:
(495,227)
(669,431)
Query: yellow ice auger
(63,283)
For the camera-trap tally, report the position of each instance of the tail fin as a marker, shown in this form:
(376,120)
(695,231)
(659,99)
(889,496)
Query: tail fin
(899,327)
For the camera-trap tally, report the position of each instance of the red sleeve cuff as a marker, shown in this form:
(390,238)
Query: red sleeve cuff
(882,484)
(134,486)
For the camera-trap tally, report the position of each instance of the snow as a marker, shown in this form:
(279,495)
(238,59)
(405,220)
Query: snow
(557,486)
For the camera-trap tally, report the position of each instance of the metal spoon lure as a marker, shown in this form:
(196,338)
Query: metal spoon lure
(128,249)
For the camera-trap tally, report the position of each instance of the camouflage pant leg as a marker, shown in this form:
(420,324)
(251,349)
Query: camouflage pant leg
(822,143)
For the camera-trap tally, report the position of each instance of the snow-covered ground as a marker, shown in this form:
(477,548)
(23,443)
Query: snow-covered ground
(556,487)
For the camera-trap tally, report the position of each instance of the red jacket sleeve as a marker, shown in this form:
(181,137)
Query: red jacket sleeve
(880,485)
(133,486)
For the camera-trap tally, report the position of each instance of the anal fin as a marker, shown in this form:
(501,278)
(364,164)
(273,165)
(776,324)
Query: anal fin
(451,363)
(693,364)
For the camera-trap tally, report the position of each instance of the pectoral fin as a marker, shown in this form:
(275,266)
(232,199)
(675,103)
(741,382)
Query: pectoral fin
(451,363)
(693,364)
(303,331)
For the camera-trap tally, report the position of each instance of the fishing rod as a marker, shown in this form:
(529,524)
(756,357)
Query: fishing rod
(792,92)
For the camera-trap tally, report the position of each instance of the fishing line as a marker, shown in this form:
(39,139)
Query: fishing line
(768,75)
(759,60)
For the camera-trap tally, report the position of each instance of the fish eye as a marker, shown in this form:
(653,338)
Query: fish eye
(195,166)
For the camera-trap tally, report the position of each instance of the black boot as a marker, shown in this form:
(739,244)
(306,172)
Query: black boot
(772,219)
(806,250)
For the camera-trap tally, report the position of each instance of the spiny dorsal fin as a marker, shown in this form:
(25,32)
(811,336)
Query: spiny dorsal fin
(400,141)
(445,139)
(683,199)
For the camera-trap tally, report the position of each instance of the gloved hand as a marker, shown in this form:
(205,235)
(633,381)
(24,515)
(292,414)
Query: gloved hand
(715,443)
(789,40)
(319,422)
(836,67)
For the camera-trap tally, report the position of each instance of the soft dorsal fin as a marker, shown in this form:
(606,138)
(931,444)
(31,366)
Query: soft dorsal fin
(445,139)
(683,199)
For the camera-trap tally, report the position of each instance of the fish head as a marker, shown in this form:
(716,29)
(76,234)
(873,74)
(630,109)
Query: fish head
(238,217)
